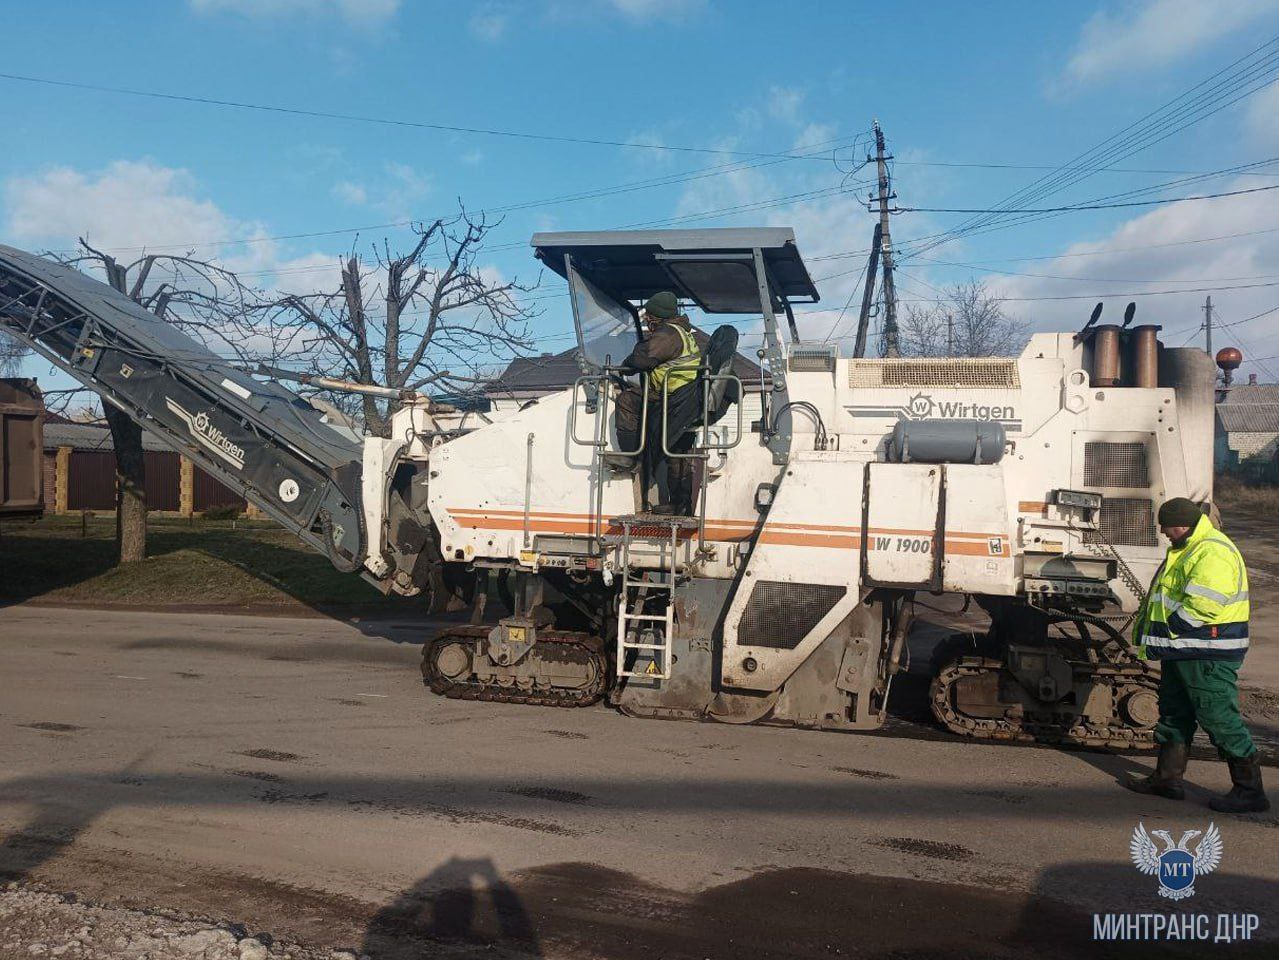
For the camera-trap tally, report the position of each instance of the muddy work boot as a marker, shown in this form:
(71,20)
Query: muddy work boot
(1166,781)
(1247,795)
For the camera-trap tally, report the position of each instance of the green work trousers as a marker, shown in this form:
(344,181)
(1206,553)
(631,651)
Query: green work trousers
(1203,693)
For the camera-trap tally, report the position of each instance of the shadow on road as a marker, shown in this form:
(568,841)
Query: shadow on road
(1221,892)
(464,901)
(466,906)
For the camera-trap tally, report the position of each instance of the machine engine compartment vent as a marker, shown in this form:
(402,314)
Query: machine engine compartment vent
(1127,521)
(812,359)
(1116,464)
(952,373)
(779,615)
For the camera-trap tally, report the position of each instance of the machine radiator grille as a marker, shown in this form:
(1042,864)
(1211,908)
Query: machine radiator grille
(1126,521)
(964,373)
(780,615)
(1116,465)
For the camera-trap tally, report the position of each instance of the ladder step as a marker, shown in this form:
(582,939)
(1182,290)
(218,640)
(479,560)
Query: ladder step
(626,645)
(658,617)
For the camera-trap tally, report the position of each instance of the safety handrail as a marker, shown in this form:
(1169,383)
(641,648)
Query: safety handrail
(602,412)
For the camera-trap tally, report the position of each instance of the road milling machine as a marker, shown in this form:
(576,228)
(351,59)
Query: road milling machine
(833,494)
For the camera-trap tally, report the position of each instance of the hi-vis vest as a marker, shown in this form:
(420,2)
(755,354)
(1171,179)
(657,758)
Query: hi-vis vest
(1197,608)
(681,371)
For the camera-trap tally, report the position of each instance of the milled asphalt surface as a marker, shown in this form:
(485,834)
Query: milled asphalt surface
(294,776)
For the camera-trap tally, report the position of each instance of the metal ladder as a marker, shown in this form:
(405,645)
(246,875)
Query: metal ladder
(637,591)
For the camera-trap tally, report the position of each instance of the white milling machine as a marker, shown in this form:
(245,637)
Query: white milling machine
(1028,484)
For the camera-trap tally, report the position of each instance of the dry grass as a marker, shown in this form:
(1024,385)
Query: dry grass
(1231,493)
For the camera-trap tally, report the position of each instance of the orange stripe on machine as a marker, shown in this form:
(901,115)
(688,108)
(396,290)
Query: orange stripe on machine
(958,543)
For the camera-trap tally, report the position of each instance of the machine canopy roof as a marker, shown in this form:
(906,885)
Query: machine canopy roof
(713,267)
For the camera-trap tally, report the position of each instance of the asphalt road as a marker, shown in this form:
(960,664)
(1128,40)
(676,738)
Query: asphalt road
(292,775)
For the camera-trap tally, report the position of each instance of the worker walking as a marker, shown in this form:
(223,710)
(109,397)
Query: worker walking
(669,357)
(1194,621)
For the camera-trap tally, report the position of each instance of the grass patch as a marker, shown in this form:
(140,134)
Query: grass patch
(1231,493)
(199,561)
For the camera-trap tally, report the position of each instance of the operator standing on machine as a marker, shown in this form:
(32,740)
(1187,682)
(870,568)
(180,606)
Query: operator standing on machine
(669,357)
(1194,621)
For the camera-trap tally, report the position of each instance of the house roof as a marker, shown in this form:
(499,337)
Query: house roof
(1250,408)
(552,372)
(88,436)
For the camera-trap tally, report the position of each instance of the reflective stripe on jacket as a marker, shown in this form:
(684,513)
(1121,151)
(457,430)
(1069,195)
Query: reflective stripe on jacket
(1197,608)
(682,370)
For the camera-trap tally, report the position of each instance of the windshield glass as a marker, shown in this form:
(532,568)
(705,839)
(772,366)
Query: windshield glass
(605,328)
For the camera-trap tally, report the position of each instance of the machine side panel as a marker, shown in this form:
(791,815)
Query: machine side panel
(802,577)
(902,523)
(977,555)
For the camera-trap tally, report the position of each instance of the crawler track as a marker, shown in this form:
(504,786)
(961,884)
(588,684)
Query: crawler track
(1065,729)
(581,648)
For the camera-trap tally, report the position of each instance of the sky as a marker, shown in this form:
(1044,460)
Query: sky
(700,107)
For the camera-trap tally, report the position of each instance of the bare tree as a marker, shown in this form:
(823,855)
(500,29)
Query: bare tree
(431,315)
(12,353)
(207,302)
(968,322)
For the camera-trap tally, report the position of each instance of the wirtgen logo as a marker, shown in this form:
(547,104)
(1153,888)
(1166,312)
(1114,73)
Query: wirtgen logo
(924,406)
(210,436)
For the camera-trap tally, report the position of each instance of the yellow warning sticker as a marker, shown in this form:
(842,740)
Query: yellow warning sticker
(652,668)
(515,634)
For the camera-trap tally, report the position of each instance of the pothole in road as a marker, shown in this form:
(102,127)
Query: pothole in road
(554,794)
(567,735)
(933,849)
(52,726)
(261,753)
(866,774)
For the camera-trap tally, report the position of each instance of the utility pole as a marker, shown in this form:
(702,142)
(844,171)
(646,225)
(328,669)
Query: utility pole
(868,293)
(892,348)
(1208,323)
(950,334)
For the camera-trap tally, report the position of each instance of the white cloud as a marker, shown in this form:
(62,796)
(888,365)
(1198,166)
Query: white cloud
(1154,33)
(353,193)
(784,104)
(134,206)
(358,12)
(489,21)
(1149,253)
(656,9)
(395,194)
(127,204)
(1263,117)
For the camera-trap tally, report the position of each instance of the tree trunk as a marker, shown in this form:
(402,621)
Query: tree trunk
(131,487)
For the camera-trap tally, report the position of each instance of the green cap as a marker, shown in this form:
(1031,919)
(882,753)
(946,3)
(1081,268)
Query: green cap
(663,305)
(1179,512)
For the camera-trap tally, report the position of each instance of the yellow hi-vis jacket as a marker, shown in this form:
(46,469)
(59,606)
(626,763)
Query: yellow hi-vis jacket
(682,370)
(1197,608)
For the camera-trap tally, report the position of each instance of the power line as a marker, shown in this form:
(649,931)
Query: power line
(1076,279)
(1048,166)
(1155,126)
(817,150)
(1087,206)
(381,121)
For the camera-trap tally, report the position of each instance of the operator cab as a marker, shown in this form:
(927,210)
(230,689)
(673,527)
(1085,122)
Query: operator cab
(755,271)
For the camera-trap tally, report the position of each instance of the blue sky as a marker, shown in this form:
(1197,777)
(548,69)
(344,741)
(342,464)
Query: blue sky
(1014,83)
